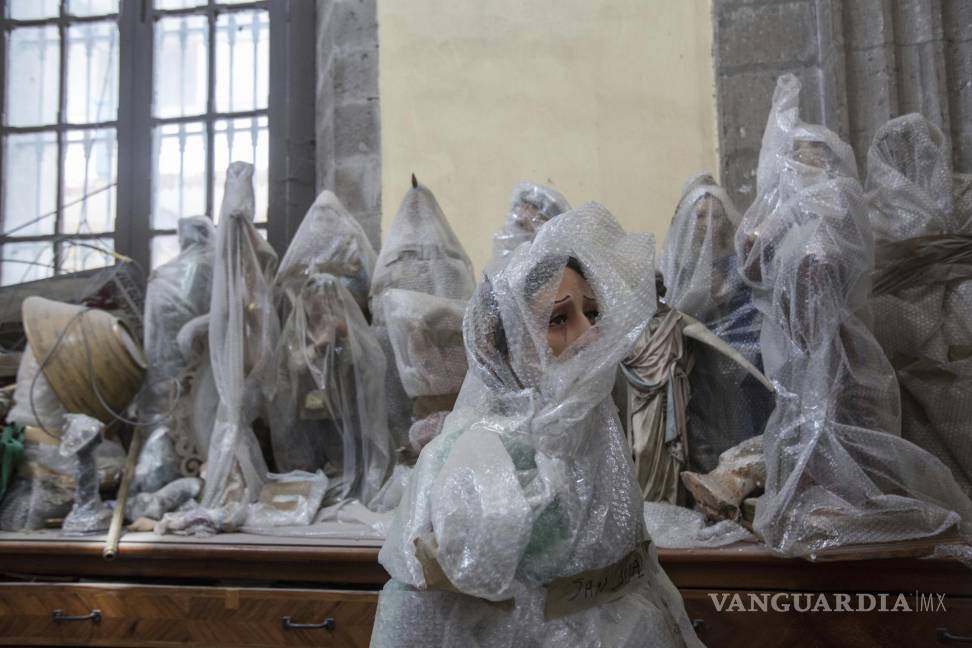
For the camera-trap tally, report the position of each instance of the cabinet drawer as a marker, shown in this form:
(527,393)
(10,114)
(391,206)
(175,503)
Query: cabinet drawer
(182,616)
(820,629)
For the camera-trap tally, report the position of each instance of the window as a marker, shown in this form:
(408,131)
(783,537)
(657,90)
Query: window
(121,118)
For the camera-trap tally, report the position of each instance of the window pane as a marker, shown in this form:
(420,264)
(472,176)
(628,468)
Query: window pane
(32,80)
(32,9)
(178,4)
(26,262)
(165,247)
(90,168)
(92,7)
(86,254)
(242,60)
(30,184)
(92,82)
(242,140)
(179,185)
(181,66)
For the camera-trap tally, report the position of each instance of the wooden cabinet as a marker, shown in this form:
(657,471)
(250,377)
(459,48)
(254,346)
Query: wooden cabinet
(237,591)
(120,614)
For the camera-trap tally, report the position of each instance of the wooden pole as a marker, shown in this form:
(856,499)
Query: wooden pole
(118,515)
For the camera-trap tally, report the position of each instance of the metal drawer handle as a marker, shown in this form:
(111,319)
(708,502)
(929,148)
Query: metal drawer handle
(94,616)
(944,636)
(326,624)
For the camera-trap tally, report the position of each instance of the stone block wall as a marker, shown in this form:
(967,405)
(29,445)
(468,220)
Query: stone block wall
(861,62)
(348,121)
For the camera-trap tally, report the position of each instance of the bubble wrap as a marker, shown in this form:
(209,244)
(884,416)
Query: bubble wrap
(46,412)
(837,472)
(922,298)
(909,180)
(530,479)
(243,333)
(420,253)
(700,268)
(426,336)
(329,240)
(677,527)
(289,499)
(923,292)
(177,292)
(328,410)
(531,205)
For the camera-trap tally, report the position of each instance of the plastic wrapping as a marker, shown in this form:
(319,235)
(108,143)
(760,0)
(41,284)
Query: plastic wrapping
(530,481)
(425,332)
(329,241)
(420,253)
(153,505)
(328,411)
(44,489)
(531,205)
(287,499)
(923,286)
(243,333)
(178,292)
(701,272)
(909,181)
(837,472)
(46,411)
(677,527)
(89,514)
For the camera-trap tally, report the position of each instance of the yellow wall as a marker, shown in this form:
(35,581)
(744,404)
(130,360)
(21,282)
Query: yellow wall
(605,100)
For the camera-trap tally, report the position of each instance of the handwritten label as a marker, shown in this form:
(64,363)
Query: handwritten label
(598,586)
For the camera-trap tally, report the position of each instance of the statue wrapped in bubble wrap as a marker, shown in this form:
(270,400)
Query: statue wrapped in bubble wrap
(923,285)
(328,409)
(178,292)
(701,271)
(242,334)
(522,523)
(421,254)
(838,472)
(531,205)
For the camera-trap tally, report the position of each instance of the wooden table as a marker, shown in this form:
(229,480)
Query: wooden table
(237,590)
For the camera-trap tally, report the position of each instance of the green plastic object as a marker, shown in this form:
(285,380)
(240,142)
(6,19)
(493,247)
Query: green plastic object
(11,454)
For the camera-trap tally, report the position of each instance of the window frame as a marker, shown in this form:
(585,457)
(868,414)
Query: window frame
(290,114)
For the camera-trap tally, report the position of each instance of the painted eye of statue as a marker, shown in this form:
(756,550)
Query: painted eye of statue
(591,315)
(558,320)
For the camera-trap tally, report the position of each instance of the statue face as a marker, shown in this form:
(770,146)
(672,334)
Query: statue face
(574,311)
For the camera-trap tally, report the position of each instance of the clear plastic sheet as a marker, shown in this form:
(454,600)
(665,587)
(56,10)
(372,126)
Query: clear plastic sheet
(243,333)
(701,272)
(328,411)
(420,253)
(288,499)
(178,292)
(923,286)
(531,205)
(677,527)
(329,241)
(838,474)
(35,404)
(909,181)
(530,480)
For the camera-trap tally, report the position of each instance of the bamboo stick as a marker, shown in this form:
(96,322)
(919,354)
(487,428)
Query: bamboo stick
(118,515)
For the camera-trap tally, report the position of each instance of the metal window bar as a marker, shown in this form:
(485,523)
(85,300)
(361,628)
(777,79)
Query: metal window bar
(63,21)
(291,171)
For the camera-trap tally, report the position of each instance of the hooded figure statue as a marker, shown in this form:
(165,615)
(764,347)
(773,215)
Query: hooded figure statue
(522,523)
(531,205)
(701,270)
(838,472)
(922,298)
